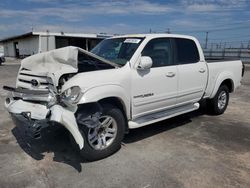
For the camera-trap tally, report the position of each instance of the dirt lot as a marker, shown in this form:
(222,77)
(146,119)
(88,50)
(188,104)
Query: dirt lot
(193,150)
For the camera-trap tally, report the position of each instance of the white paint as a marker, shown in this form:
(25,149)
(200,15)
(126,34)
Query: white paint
(37,111)
(67,119)
(166,87)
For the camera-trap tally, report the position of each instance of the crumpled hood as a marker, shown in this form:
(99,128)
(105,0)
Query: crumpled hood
(58,62)
(52,65)
(55,62)
(52,60)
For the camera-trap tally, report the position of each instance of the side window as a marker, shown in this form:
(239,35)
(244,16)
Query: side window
(186,51)
(160,52)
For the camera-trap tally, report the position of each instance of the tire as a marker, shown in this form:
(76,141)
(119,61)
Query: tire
(218,104)
(93,151)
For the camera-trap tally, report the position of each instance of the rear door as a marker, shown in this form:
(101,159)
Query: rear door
(155,89)
(191,71)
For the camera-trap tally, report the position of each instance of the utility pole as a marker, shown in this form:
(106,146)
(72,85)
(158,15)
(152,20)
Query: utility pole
(47,31)
(150,31)
(206,40)
(168,30)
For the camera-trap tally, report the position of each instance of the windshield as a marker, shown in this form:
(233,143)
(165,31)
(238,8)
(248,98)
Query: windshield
(117,50)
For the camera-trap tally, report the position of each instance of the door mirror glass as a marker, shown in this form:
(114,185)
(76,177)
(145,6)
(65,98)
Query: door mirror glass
(145,63)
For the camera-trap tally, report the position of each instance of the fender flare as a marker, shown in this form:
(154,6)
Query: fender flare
(98,93)
(226,75)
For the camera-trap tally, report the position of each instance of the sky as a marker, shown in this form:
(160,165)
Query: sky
(224,20)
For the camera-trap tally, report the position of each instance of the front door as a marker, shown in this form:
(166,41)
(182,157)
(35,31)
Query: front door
(155,89)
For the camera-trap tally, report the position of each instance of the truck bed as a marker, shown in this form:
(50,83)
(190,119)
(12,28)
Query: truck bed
(217,70)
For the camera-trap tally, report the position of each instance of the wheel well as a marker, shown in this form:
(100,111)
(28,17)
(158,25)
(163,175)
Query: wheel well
(229,83)
(118,103)
(114,101)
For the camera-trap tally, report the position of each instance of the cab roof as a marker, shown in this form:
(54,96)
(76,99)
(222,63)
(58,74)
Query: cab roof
(155,35)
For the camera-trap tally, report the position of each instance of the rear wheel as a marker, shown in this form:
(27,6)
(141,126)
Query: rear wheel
(219,103)
(105,139)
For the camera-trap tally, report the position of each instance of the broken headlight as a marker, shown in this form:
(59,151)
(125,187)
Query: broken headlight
(71,95)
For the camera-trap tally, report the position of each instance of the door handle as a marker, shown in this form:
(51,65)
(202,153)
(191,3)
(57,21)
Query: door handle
(202,70)
(170,74)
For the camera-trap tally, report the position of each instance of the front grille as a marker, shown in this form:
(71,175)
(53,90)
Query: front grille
(29,80)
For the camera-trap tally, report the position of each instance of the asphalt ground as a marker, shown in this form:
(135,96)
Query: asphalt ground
(192,150)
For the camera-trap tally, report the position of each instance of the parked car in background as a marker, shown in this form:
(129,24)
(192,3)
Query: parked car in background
(125,82)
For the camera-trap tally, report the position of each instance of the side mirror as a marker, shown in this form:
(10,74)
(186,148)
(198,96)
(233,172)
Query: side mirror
(145,63)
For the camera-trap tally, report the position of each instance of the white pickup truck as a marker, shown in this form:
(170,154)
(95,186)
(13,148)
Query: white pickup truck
(125,82)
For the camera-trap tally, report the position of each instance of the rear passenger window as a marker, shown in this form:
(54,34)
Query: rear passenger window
(160,52)
(186,51)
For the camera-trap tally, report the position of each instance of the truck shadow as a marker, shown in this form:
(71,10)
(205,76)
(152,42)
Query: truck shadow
(56,140)
(159,127)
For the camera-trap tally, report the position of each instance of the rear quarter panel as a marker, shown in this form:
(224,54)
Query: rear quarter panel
(220,71)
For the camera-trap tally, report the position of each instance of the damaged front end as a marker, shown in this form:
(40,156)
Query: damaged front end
(36,110)
(38,98)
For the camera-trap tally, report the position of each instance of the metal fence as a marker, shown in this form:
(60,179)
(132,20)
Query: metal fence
(238,53)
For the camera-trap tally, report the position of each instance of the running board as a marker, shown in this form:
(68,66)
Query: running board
(162,115)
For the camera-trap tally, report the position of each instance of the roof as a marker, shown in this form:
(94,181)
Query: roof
(155,35)
(62,34)
(16,37)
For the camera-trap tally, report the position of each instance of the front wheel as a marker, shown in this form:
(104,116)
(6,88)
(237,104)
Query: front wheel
(219,103)
(105,139)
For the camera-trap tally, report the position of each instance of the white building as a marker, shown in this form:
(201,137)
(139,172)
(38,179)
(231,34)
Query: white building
(35,42)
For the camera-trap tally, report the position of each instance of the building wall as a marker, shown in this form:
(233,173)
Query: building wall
(9,50)
(34,44)
(1,49)
(46,43)
(27,46)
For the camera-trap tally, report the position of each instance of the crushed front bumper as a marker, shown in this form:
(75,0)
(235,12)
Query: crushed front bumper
(31,117)
(30,109)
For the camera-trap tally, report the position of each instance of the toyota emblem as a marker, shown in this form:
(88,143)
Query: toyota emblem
(34,82)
